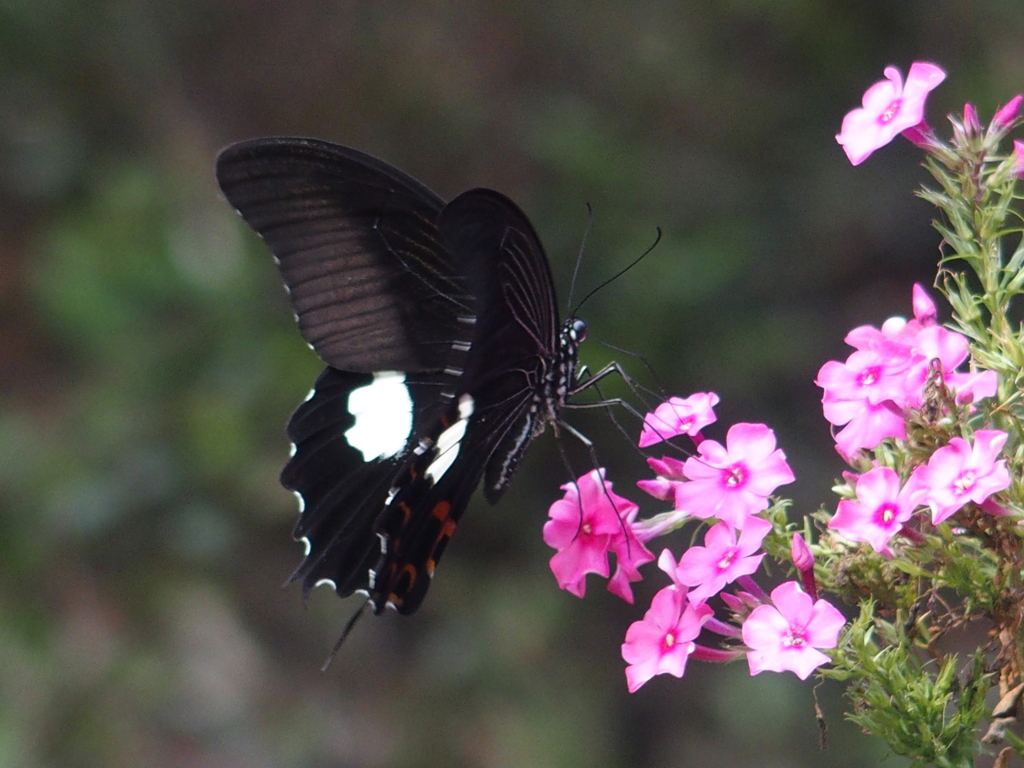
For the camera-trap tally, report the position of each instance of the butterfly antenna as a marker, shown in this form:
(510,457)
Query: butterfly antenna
(622,271)
(345,632)
(579,256)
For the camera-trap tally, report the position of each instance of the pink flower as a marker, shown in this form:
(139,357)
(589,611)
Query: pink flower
(734,482)
(868,377)
(720,561)
(974,386)
(865,393)
(869,392)
(879,512)
(786,635)
(661,643)
(586,524)
(957,473)
(679,417)
(889,108)
(950,349)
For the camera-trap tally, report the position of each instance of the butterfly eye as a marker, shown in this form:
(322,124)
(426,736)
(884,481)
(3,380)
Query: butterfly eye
(579,329)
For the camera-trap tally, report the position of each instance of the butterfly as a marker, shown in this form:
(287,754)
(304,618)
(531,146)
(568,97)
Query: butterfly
(445,355)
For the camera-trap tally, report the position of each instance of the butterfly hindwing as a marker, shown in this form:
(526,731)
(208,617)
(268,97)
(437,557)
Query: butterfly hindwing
(340,490)
(515,354)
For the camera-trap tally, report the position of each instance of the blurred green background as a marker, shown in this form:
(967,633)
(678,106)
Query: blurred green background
(149,359)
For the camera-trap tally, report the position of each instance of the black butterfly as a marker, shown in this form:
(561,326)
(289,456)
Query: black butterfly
(440,330)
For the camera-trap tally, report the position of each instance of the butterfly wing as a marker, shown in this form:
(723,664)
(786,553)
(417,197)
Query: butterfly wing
(495,415)
(357,244)
(511,369)
(452,305)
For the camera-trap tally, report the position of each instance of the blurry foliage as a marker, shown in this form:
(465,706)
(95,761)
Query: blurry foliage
(149,360)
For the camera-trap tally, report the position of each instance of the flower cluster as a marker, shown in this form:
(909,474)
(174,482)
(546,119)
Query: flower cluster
(879,390)
(928,532)
(729,484)
(871,392)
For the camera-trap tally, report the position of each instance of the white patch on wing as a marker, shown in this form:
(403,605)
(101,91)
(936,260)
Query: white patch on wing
(448,444)
(302,503)
(383,413)
(306,545)
(326,581)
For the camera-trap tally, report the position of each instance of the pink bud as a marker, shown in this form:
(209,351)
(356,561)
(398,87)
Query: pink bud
(1018,158)
(714,655)
(803,559)
(1006,115)
(998,510)
(924,307)
(736,605)
(913,536)
(971,122)
(920,135)
(741,602)
(802,556)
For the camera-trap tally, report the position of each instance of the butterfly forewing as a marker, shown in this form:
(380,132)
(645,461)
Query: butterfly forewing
(357,245)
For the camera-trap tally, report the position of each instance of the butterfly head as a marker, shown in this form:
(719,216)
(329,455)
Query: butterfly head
(573,332)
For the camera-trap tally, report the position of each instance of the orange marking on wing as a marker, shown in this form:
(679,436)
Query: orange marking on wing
(439,544)
(406,514)
(441,510)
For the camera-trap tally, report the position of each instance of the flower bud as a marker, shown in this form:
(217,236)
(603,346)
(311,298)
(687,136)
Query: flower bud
(972,125)
(802,556)
(1018,158)
(920,135)
(1006,115)
(803,559)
